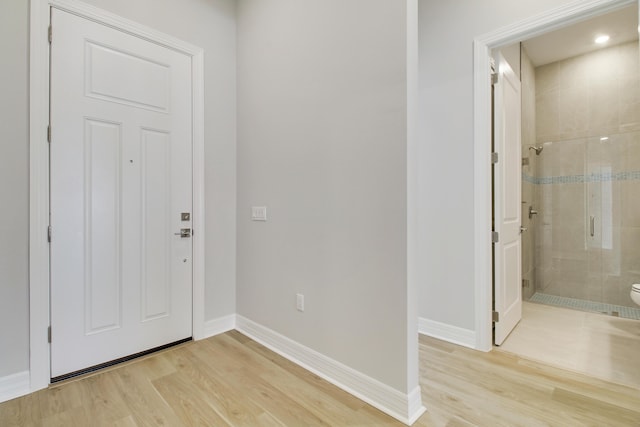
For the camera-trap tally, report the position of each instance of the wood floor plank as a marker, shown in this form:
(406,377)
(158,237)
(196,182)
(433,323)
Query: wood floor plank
(230,380)
(310,391)
(460,374)
(221,394)
(24,411)
(309,377)
(599,412)
(146,405)
(104,404)
(61,399)
(73,417)
(157,367)
(280,405)
(190,406)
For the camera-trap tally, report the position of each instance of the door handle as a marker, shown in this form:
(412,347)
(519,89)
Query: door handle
(592,225)
(184,232)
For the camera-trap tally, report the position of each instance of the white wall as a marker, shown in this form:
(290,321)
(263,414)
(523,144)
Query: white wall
(209,24)
(322,142)
(14,187)
(446,231)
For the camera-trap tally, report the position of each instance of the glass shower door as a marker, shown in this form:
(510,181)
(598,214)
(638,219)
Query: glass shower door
(589,228)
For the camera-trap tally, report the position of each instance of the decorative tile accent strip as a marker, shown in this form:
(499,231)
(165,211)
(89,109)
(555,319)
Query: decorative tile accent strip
(580,179)
(584,305)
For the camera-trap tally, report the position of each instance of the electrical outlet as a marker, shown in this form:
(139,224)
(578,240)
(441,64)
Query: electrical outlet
(300,302)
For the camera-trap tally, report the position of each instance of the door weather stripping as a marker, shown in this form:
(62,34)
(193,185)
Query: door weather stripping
(495,316)
(495,237)
(494,158)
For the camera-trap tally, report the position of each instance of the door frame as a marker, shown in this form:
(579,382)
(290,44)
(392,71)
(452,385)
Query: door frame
(39,280)
(482,46)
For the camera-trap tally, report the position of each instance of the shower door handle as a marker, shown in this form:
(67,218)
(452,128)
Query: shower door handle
(592,225)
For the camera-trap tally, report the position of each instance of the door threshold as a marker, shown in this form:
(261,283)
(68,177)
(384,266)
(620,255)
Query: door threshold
(103,366)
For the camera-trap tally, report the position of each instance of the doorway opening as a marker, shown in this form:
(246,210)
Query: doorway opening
(580,156)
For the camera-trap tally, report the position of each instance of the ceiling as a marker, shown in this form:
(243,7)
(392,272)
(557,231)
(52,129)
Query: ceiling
(621,25)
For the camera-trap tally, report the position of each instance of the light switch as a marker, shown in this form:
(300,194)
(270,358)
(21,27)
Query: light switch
(258,213)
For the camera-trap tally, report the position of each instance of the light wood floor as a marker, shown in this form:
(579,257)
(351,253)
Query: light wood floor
(231,380)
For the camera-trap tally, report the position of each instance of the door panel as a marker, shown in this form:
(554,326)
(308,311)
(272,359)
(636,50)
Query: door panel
(121,280)
(507,202)
(156,180)
(102,281)
(119,76)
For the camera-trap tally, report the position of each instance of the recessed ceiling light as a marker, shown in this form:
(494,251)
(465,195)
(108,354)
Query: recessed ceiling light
(602,39)
(604,138)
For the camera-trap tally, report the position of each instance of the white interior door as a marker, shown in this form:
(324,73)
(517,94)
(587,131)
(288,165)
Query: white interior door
(121,280)
(507,202)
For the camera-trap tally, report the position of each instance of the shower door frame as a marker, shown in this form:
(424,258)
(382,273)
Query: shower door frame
(483,44)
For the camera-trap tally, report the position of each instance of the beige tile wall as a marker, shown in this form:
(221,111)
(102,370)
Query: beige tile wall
(589,95)
(577,102)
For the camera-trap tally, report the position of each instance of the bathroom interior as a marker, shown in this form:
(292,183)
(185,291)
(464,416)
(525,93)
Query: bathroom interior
(581,197)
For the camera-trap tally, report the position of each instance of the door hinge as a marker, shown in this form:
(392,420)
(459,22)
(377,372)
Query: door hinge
(494,158)
(49,234)
(49,133)
(495,316)
(494,78)
(495,237)
(49,334)
(50,34)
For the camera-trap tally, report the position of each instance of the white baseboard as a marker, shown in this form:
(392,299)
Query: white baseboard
(219,326)
(404,407)
(415,406)
(14,385)
(449,333)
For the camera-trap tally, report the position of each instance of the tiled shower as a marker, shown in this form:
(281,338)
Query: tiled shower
(582,248)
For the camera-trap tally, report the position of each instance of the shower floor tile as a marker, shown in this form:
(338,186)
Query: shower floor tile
(579,304)
(594,344)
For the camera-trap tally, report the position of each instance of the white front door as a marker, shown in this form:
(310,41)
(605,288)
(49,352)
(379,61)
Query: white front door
(507,254)
(121,279)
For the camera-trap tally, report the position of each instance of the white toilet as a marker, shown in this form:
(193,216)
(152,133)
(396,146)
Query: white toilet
(635,293)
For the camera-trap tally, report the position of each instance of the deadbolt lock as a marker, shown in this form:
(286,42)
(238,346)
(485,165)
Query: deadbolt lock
(185,216)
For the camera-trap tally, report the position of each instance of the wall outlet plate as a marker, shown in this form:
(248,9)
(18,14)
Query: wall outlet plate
(300,302)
